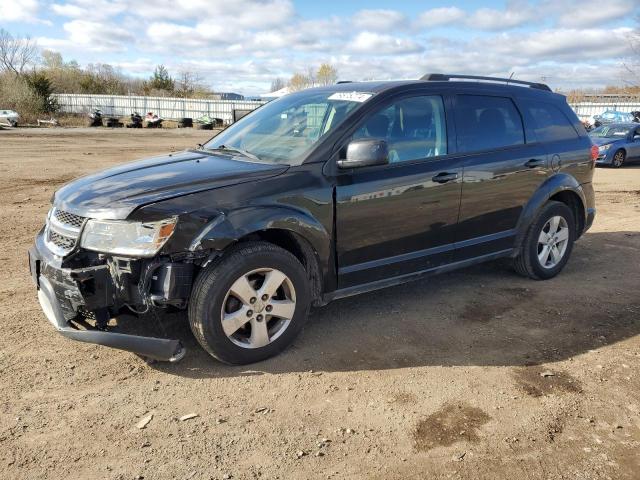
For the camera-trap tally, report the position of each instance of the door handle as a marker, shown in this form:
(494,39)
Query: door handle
(535,162)
(444,177)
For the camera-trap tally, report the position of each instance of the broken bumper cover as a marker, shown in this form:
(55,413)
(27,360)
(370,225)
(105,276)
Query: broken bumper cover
(58,282)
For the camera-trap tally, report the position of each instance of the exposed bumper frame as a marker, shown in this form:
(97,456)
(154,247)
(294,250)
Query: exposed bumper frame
(155,348)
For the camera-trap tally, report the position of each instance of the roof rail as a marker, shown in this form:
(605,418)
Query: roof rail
(444,77)
(343,81)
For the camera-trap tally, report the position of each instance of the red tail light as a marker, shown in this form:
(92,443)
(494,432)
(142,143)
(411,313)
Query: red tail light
(594,153)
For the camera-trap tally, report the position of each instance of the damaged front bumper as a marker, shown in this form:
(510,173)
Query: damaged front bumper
(64,292)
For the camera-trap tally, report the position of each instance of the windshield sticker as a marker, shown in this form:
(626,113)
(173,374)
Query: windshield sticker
(351,96)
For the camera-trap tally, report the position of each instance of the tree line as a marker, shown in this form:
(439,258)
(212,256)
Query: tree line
(326,74)
(29,76)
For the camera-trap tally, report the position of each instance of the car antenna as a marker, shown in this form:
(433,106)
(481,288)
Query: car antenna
(510,77)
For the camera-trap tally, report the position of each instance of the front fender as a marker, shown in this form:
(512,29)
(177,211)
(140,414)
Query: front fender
(553,185)
(229,227)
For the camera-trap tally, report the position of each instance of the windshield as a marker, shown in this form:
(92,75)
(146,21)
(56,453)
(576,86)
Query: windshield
(610,131)
(284,130)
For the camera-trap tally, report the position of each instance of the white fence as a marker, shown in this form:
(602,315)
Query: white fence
(596,108)
(166,107)
(176,108)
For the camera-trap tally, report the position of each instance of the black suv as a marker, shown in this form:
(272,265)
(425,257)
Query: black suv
(322,194)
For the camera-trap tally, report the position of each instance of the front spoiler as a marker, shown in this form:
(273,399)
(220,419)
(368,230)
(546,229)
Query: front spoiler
(155,348)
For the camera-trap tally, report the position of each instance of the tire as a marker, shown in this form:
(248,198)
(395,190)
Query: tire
(618,159)
(528,262)
(212,292)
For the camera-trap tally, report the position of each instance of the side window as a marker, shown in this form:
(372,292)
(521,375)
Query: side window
(485,123)
(414,128)
(549,123)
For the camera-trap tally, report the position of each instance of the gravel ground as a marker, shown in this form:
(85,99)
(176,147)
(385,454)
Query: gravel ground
(478,374)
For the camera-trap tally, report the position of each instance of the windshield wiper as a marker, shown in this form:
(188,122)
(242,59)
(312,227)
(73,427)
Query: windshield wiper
(237,150)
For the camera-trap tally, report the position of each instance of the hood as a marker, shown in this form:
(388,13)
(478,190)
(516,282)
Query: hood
(599,141)
(116,192)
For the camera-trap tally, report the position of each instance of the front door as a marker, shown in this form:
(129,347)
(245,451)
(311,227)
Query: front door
(399,218)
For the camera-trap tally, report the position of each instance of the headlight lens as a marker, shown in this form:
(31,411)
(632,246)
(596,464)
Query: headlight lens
(604,148)
(127,238)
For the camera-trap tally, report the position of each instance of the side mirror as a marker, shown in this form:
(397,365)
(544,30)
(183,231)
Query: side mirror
(365,152)
(636,138)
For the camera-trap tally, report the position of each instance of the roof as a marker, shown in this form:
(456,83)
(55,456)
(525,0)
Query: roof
(381,86)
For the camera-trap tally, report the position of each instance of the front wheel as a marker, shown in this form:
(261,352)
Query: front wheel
(250,304)
(618,159)
(548,242)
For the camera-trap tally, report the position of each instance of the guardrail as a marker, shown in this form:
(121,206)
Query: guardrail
(170,108)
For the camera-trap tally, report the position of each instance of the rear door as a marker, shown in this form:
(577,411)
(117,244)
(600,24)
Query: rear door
(399,218)
(501,172)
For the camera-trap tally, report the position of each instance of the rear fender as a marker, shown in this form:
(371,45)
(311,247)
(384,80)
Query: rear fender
(553,185)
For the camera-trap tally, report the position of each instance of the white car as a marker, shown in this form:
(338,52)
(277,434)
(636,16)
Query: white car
(9,118)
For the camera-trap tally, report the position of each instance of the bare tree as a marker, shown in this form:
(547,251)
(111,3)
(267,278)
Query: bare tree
(326,75)
(277,84)
(632,66)
(16,53)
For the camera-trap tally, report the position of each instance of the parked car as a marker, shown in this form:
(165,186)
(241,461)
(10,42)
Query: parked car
(612,116)
(9,118)
(318,195)
(617,143)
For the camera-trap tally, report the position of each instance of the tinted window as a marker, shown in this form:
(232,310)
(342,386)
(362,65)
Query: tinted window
(414,128)
(549,123)
(485,123)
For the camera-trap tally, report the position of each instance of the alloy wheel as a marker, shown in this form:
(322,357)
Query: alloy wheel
(618,158)
(258,308)
(553,241)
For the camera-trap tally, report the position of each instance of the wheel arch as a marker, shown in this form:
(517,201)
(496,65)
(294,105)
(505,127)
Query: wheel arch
(293,230)
(560,187)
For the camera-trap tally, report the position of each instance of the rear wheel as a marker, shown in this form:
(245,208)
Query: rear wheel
(548,242)
(251,304)
(618,159)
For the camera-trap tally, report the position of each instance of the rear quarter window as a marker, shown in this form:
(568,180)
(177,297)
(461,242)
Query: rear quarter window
(549,123)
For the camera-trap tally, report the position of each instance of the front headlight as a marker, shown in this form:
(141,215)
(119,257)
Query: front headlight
(127,238)
(604,148)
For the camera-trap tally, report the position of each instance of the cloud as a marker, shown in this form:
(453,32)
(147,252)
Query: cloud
(378,20)
(437,17)
(564,44)
(20,11)
(589,13)
(379,44)
(515,15)
(89,9)
(252,14)
(87,35)
(244,44)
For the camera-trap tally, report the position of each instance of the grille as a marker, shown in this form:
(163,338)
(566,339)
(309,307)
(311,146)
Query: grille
(63,231)
(61,241)
(70,219)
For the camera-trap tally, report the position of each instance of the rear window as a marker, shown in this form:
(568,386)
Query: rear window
(486,123)
(549,123)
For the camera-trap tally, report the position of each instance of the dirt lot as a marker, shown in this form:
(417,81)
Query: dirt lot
(437,379)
